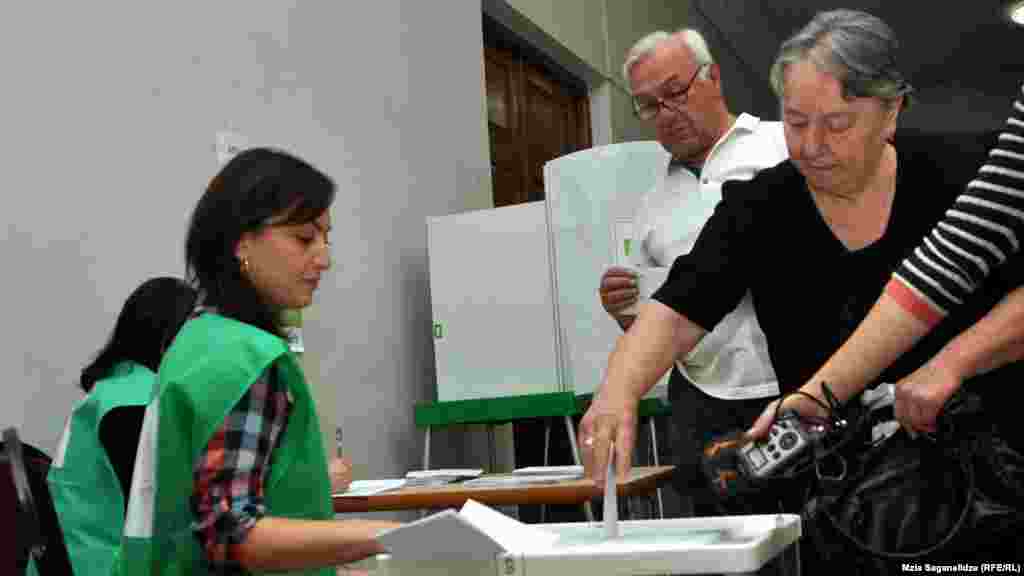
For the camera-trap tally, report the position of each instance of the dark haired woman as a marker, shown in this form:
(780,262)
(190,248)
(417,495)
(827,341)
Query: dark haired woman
(238,481)
(92,469)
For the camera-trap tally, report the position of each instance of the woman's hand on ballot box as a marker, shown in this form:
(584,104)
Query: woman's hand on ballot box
(610,418)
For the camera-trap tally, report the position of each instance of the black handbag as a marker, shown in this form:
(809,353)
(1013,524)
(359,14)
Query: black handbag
(951,498)
(874,506)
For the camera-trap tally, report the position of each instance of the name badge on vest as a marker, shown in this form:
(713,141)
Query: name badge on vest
(294,334)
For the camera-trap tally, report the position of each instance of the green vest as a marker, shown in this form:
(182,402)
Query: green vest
(85,489)
(204,374)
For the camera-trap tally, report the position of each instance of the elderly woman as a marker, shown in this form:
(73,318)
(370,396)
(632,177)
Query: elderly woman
(979,232)
(814,239)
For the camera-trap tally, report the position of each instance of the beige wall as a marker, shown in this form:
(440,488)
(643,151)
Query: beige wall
(325,393)
(598,33)
(629,21)
(576,24)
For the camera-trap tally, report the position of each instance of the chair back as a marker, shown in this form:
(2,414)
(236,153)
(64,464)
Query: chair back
(29,541)
(38,534)
(11,553)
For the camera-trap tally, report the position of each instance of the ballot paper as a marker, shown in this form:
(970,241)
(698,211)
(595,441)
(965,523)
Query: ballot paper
(572,471)
(530,475)
(611,500)
(439,477)
(510,480)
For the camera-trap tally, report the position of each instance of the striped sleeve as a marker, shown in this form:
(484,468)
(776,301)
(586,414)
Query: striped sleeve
(978,233)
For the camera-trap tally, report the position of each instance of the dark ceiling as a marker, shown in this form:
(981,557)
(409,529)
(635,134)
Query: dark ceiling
(964,45)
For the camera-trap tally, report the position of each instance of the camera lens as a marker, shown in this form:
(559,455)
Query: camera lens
(788,440)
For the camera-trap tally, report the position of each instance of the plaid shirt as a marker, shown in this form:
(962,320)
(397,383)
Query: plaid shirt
(228,480)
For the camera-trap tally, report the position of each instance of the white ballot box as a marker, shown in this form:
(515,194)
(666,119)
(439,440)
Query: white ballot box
(713,545)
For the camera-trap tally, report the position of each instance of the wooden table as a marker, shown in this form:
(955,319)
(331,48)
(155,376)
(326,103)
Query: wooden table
(643,480)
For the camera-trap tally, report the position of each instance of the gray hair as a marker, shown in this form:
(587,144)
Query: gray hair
(646,46)
(857,48)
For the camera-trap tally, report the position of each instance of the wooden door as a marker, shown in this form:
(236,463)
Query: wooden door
(503,73)
(532,118)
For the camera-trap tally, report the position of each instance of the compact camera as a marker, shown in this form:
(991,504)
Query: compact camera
(786,441)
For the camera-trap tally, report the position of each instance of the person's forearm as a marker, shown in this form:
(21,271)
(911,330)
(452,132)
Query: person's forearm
(275,544)
(647,350)
(994,341)
(886,332)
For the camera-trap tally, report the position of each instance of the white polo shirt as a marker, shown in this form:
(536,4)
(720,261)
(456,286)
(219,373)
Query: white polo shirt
(731,361)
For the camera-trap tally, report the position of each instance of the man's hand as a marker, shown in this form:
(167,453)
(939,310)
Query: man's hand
(921,395)
(341,474)
(610,418)
(618,291)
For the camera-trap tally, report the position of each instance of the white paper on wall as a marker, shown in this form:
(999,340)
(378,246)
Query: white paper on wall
(229,144)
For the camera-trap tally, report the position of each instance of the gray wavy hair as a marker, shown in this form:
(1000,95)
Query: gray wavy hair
(857,48)
(646,46)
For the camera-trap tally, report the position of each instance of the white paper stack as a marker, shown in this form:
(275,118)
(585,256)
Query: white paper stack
(573,471)
(440,476)
(530,475)
(371,487)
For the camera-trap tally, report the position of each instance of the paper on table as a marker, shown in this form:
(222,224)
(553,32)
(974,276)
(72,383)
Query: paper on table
(499,480)
(442,472)
(611,501)
(370,487)
(551,471)
(440,476)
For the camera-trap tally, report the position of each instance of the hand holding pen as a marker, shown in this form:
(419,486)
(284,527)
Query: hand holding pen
(341,467)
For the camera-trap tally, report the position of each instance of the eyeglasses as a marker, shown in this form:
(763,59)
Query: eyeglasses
(648,107)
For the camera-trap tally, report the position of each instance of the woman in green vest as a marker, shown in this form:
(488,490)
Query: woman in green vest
(233,474)
(92,468)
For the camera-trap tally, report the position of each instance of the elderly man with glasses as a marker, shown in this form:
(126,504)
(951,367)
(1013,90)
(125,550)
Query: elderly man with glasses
(677,86)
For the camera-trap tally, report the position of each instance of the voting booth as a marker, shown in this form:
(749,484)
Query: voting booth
(518,328)
(514,289)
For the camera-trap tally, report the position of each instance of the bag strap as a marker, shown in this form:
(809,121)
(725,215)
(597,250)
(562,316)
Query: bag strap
(966,466)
